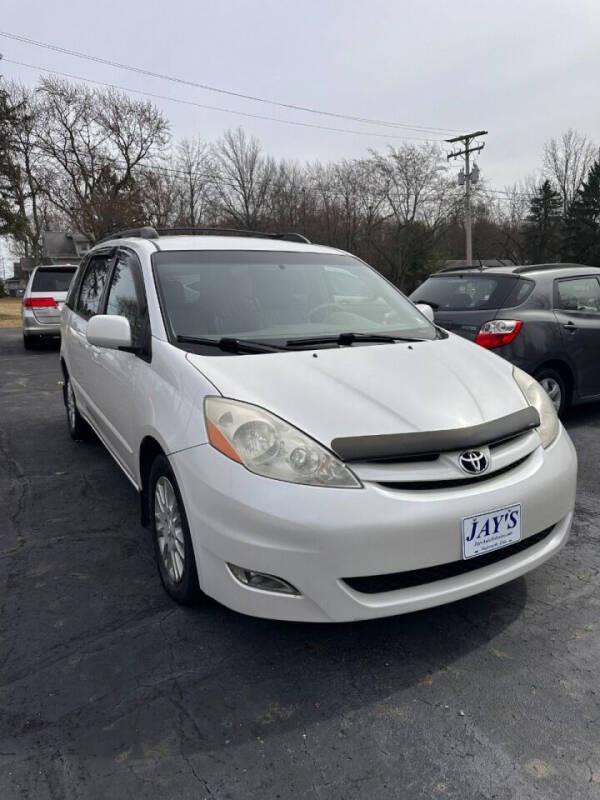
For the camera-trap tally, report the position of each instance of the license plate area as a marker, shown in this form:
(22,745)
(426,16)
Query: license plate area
(484,533)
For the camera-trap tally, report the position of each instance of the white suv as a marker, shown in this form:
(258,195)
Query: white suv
(307,445)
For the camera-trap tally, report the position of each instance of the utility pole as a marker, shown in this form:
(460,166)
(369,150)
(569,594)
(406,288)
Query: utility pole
(468,177)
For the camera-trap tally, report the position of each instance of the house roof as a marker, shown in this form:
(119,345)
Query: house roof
(61,244)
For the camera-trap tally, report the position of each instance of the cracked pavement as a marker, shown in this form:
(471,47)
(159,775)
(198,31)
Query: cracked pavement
(109,690)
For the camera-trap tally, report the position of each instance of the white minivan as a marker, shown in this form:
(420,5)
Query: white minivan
(306,443)
(43,302)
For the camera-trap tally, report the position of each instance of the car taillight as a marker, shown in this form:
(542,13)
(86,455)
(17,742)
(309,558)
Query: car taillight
(498,332)
(39,302)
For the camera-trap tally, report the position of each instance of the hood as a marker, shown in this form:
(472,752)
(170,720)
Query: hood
(372,389)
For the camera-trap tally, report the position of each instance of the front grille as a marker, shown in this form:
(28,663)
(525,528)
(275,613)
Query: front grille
(420,485)
(377,584)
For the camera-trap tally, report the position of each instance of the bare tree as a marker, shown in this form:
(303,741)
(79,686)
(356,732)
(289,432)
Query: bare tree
(352,202)
(193,164)
(94,143)
(566,163)
(161,193)
(289,197)
(242,178)
(418,197)
(415,185)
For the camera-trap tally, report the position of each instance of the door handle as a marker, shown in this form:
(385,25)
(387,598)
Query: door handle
(570,326)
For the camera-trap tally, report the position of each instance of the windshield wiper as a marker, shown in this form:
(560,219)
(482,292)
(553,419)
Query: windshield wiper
(230,345)
(347,339)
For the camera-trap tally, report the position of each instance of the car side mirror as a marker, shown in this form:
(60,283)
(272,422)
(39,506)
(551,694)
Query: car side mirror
(426,310)
(109,330)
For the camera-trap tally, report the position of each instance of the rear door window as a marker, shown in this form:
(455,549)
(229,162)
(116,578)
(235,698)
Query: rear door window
(579,294)
(92,286)
(52,280)
(464,292)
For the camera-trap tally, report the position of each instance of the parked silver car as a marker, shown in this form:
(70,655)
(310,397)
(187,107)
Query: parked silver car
(43,300)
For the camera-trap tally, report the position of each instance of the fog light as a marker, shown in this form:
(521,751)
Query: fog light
(262,581)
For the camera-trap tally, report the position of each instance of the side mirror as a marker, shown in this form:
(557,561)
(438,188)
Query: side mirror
(426,310)
(109,330)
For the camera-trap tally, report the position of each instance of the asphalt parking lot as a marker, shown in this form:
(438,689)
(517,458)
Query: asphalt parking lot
(109,690)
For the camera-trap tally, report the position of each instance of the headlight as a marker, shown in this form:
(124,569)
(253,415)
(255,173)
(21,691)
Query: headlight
(537,397)
(268,446)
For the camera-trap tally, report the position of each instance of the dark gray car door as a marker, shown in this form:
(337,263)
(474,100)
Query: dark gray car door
(577,309)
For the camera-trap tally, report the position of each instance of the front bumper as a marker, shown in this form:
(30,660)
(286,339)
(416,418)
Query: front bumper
(313,537)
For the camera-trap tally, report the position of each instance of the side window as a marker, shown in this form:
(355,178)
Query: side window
(92,286)
(579,294)
(124,297)
(523,288)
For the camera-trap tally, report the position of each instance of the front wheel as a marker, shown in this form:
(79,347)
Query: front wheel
(172,541)
(555,387)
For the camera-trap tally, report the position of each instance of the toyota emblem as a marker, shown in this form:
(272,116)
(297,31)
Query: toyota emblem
(474,461)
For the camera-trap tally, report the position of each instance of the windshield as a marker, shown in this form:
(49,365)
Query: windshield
(53,280)
(278,297)
(464,292)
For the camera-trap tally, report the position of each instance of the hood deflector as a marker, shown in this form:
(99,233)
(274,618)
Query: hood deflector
(398,446)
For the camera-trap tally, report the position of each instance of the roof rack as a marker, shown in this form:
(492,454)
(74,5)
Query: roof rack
(142,233)
(288,237)
(537,267)
(153,233)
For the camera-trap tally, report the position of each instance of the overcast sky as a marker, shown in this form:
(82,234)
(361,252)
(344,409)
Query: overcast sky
(525,71)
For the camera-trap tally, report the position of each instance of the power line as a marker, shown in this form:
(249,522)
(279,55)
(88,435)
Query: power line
(231,93)
(218,108)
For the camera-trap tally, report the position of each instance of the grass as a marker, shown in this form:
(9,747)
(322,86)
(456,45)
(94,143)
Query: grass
(10,312)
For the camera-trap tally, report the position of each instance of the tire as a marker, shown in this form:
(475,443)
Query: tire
(28,343)
(171,535)
(556,388)
(78,427)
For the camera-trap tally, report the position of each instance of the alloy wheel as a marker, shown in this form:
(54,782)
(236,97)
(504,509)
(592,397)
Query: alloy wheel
(169,529)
